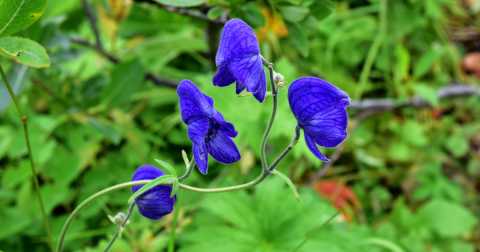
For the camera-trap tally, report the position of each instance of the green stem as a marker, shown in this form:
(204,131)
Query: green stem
(314,232)
(32,164)
(272,117)
(120,227)
(189,171)
(372,53)
(289,148)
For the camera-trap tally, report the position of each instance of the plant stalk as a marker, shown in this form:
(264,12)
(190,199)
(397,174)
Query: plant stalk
(30,156)
(120,227)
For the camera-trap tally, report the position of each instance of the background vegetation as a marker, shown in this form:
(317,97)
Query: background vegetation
(406,179)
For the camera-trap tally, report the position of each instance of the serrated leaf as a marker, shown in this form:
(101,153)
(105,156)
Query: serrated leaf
(216,12)
(25,51)
(289,183)
(293,13)
(150,185)
(16,15)
(181,3)
(175,186)
(299,39)
(170,169)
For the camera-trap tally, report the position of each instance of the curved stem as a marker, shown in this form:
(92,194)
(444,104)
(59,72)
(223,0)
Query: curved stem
(30,156)
(289,148)
(272,117)
(188,172)
(120,227)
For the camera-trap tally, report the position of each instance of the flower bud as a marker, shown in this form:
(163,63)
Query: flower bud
(118,219)
(278,78)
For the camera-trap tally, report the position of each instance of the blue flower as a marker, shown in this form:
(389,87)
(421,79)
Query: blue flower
(320,111)
(207,128)
(238,59)
(156,202)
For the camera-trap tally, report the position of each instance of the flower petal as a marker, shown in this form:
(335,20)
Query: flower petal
(156,202)
(313,148)
(237,39)
(248,69)
(308,96)
(201,158)
(192,102)
(197,129)
(239,87)
(223,149)
(226,127)
(328,128)
(224,77)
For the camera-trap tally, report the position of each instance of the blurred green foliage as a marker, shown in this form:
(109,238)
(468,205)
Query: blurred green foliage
(93,120)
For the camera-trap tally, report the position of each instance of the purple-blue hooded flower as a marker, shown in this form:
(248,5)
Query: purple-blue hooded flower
(156,202)
(320,111)
(238,59)
(207,128)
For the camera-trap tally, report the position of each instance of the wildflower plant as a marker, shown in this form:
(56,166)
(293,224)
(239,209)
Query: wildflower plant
(318,106)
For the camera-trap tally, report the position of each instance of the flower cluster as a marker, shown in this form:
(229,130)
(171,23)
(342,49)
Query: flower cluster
(318,106)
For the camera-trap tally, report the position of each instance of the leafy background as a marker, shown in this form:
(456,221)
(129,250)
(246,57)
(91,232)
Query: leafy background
(407,178)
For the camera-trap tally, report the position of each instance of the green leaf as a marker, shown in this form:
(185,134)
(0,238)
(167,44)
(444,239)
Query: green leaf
(403,62)
(25,51)
(428,93)
(16,15)
(322,9)
(391,246)
(296,34)
(181,3)
(170,169)
(457,144)
(426,61)
(150,185)
(108,131)
(446,218)
(175,186)
(293,13)
(17,77)
(253,14)
(216,12)
(289,183)
(310,22)
(126,79)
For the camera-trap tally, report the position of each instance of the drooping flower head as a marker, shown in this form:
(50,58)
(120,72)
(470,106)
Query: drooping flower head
(239,60)
(207,128)
(320,111)
(156,202)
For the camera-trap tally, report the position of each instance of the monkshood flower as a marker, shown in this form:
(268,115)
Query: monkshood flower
(239,60)
(320,111)
(207,128)
(156,202)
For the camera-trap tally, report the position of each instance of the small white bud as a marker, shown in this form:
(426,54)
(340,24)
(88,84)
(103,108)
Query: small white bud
(278,78)
(118,219)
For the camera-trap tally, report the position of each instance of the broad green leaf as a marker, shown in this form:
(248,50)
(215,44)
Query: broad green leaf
(445,218)
(174,187)
(293,13)
(16,15)
(108,131)
(216,12)
(391,246)
(310,22)
(17,77)
(289,183)
(13,221)
(126,79)
(25,51)
(253,14)
(167,166)
(412,132)
(322,9)
(181,3)
(298,37)
(457,144)
(150,185)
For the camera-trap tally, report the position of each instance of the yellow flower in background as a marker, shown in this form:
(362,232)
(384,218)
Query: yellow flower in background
(272,23)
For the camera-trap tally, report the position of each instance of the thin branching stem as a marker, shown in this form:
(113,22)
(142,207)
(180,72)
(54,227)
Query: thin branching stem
(120,227)
(30,156)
